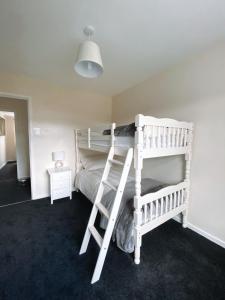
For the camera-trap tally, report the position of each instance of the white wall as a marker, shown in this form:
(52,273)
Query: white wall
(10,138)
(21,125)
(57,111)
(193,91)
(2,151)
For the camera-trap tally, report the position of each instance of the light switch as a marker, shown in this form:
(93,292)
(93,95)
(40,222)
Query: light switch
(37,131)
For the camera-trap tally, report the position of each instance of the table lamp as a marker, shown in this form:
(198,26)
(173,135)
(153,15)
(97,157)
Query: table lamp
(58,157)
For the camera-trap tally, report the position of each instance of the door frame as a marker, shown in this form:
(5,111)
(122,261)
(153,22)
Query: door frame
(29,105)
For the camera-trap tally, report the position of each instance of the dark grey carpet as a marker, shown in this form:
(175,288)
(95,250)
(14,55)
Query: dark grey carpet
(11,190)
(39,246)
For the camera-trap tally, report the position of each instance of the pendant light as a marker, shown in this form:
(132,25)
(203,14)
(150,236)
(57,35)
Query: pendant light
(89,61)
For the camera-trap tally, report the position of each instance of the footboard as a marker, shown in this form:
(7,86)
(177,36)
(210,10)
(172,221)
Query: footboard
(161,206)
(163,137)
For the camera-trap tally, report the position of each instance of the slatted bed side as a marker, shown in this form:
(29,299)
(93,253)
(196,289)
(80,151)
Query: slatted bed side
(94,139)
(163,205)
(164,137)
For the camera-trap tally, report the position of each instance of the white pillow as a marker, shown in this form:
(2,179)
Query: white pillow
(93,162)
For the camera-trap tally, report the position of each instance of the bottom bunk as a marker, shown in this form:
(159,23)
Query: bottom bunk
(159,203)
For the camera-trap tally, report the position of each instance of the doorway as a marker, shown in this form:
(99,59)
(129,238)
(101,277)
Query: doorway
(14,152)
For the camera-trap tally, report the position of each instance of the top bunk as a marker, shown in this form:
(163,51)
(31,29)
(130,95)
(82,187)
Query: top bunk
(151,137)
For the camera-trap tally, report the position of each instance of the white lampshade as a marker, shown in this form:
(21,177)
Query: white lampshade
(58,155)
(89,62)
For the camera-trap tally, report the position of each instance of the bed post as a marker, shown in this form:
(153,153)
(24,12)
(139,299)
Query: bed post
(113,134)
(138,164)
(76,158)
(188,157)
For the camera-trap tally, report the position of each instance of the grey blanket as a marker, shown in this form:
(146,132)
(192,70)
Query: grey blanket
(123,231)
(125,130)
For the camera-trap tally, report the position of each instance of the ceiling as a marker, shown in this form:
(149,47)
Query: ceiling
(137,37)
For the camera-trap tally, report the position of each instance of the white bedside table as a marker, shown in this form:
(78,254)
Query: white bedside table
(60,183)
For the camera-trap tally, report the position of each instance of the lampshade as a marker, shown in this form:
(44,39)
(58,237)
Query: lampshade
(58,155)
(89,62)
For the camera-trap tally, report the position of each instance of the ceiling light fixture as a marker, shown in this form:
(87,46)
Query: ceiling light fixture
(89,61)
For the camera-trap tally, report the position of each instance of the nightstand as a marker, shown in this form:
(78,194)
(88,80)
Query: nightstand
(60,183)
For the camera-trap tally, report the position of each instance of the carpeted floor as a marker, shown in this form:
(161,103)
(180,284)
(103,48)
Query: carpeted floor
(11,190)
(39,245)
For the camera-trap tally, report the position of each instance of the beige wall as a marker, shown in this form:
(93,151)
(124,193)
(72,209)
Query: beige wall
(2,148)
(192,91)
(19,107)
(10,138)
(56,111)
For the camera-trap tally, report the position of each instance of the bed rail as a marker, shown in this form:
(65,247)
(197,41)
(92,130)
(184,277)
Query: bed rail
(163,205)
(95,139)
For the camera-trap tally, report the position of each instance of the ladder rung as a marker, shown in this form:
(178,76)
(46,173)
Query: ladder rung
(103,210)
(96,235)
(109,185)
(116,162)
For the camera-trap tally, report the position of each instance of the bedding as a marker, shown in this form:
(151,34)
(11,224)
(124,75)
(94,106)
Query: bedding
(94,162)
(123,233)
(125,130)
(88,182)
(127,142)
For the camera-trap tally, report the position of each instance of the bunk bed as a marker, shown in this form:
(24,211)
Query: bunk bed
(148,137)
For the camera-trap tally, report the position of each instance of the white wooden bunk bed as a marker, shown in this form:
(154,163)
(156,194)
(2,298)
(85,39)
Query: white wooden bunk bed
(153,138)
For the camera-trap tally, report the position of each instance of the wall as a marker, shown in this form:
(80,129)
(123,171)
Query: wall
(56,111)
(193,91)
(10,138)
(2,149)
(21,123)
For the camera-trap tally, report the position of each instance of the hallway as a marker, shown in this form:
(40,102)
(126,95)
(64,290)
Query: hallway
(11,190)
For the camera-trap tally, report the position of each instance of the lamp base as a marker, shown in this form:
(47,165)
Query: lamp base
(58,164)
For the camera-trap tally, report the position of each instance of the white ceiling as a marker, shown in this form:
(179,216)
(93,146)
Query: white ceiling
(138,38)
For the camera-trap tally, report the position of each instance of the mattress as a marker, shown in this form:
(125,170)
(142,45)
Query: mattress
(127,142)
(87,181)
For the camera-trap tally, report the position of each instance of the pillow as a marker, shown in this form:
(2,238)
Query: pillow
(91,163)
(125,130)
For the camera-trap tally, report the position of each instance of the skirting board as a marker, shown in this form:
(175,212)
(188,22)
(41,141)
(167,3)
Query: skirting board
(3,165)
(9,161)
(47,195)
(202,232)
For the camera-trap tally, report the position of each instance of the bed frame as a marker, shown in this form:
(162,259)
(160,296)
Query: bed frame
(153,138)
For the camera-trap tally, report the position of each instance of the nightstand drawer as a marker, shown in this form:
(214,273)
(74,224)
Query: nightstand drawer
(60,193)
(61,183)
(58,177)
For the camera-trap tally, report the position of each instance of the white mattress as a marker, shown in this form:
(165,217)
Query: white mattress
(128,142)
(120,141)
(87,181)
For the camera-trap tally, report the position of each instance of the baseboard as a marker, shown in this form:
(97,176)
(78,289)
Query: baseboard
(47,195)
(202,232)
(177,218)
(207,235)
(11,161)
(40,196)
(3,165)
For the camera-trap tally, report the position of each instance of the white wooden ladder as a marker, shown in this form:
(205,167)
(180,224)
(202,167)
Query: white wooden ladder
(103,243)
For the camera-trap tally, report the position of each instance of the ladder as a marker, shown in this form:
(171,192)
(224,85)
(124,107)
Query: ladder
(103,243)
